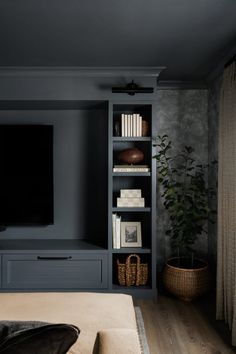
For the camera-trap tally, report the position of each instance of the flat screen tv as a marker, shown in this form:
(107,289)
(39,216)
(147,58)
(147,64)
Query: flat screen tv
(26,175)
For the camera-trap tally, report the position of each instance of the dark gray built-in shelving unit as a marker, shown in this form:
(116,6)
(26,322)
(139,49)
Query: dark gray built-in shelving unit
(80,258)
(146,181)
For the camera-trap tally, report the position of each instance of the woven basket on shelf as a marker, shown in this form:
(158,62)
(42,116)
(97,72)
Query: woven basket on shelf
(132,272)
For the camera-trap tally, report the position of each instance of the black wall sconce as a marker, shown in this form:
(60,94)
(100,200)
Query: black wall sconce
(131,89)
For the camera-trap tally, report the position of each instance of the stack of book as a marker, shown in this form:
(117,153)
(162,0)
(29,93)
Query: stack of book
(130,198)
(116,221)
(131,125)
(131,168)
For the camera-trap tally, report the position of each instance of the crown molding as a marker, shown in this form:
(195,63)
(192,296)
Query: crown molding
(77,71)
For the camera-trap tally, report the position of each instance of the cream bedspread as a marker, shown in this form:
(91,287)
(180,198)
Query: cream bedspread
(91,312)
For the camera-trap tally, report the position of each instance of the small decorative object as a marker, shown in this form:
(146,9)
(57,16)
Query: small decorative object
(130,202)
(130,193)
(131,156)
(117,131)
(132,272)
(145,128)
(131,234)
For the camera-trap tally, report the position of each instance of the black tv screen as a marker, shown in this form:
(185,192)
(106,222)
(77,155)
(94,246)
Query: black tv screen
(26,177)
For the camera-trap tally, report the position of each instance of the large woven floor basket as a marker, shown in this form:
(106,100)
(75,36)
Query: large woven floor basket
(132,272)
(186,284)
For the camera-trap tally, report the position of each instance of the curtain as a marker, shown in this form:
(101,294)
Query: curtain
(226,252)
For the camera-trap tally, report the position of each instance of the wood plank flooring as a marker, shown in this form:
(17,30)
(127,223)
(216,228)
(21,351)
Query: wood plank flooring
(177,327)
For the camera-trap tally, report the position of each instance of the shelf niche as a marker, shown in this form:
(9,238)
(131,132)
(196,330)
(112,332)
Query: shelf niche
(80,170)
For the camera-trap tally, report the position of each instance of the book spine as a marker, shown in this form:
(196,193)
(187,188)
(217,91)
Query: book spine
(137,125)
(134,125)
(122,124)
(140,125)
(118,222)
(131,125)
(114,230)
(129,121)
(131,169)
(126,124)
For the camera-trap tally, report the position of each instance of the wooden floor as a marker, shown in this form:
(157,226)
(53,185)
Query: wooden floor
(177,327)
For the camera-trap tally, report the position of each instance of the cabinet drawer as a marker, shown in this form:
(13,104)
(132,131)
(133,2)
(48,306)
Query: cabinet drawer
(54,271)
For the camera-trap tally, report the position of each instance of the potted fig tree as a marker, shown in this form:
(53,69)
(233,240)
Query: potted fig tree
(185,196)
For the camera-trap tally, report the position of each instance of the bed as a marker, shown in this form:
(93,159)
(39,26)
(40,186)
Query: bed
(107,322)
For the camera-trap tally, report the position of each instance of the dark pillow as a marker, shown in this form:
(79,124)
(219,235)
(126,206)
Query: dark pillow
(28,337)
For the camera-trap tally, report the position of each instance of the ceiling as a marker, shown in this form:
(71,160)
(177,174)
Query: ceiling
(189,37)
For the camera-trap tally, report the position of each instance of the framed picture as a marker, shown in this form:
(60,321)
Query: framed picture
(131,234)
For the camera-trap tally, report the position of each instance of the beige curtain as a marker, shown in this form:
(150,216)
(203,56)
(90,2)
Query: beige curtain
(226,255)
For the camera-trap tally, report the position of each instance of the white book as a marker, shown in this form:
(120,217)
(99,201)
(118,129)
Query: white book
(122,124)
(141,119)
(126,124)
(114,230)
(138,125)
(118,222)
(134,125)
(131,169)
(129,125)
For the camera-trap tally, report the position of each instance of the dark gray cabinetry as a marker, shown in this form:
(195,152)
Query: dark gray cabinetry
(76,253)
(54,271)
(145,181)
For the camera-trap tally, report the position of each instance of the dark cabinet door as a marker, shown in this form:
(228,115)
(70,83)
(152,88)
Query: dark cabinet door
(54,271)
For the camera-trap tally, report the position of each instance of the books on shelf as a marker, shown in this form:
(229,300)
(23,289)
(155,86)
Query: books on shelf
(116,222)
(130,198)
(131,168)
(131,125)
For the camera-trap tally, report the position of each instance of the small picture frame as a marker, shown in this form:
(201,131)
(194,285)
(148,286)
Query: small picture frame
(131,234)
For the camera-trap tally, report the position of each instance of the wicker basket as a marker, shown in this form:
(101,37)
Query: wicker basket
(186,284)
(132,272)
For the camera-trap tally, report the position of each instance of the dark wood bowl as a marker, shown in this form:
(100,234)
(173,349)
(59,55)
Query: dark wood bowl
(131,156)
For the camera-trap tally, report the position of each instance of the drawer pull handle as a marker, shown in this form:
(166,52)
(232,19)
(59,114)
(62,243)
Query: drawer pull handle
(54,258)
